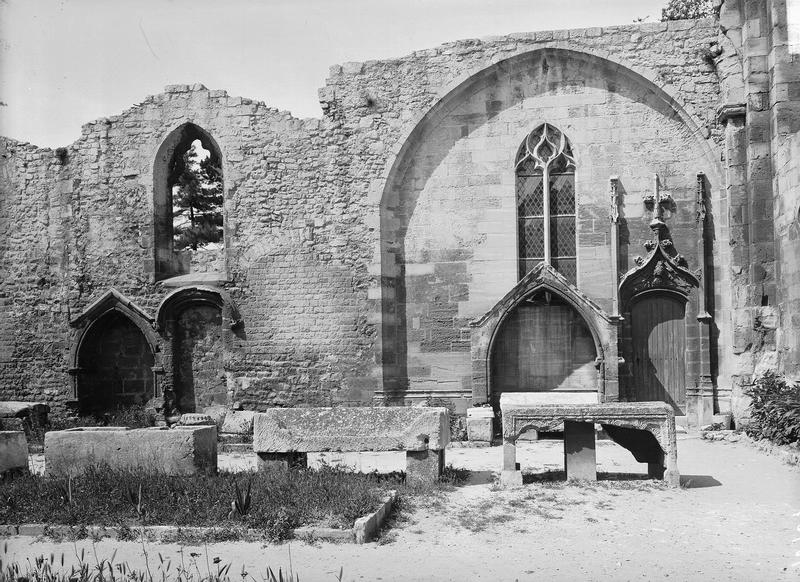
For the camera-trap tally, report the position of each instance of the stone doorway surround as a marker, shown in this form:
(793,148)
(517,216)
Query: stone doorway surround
(112,302)
(544,278)
(167,318)
(664,271)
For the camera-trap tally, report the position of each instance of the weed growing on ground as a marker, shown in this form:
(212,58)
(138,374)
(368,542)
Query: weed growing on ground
(272,501)
(50,569)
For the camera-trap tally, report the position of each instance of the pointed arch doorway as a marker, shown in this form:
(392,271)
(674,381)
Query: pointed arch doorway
(115,364)
(543,345)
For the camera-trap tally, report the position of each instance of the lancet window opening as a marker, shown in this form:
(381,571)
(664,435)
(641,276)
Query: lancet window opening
(545,169)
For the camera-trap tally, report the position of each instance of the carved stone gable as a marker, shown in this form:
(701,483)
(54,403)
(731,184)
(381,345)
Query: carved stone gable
(657,271)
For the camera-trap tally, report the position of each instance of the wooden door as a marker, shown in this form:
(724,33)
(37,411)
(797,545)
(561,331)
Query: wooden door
(658,336)
(543,347)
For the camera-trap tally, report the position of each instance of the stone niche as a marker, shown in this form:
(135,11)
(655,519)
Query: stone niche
(585,337)
(115,355)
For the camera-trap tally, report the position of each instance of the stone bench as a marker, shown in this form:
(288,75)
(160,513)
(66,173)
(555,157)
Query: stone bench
(647,429)
(185,450)
(283,436)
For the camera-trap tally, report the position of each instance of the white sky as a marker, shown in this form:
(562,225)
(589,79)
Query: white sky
(64,63)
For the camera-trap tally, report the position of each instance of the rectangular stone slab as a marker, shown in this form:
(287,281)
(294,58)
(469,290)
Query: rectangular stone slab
(178,451)
(390,428)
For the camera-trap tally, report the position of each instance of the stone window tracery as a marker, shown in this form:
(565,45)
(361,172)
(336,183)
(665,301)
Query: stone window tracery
(545,169)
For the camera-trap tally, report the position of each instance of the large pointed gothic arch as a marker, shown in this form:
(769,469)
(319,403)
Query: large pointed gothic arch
(390,252)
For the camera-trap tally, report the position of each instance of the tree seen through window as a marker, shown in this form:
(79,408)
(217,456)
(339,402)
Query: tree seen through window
(197,201)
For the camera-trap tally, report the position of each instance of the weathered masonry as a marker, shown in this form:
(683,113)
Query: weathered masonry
(606,214)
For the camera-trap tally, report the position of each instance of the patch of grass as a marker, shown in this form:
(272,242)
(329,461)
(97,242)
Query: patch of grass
(279,500)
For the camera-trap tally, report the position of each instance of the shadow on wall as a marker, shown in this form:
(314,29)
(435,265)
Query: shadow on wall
(509,83)
(115,365)
(199,377)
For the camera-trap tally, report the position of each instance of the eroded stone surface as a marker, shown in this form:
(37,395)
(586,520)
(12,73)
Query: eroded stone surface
(647,429)
(351,429)
(238,422)
(183,450)
(480,424)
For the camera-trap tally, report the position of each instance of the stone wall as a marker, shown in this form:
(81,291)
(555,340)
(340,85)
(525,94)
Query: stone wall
(358,246)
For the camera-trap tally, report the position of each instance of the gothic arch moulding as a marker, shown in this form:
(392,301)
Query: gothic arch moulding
(543,278)
(113,309)
(200,294)
(395,202)
(657,272)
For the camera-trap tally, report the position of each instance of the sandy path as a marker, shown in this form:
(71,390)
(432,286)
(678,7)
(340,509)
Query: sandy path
(733,522)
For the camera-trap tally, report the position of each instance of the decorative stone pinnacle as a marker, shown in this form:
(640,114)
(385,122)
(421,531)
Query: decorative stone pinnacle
(614,199)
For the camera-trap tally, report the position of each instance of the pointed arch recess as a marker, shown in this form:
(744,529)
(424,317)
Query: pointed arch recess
(448,99)
(111,302)
(165,170)
(542,278)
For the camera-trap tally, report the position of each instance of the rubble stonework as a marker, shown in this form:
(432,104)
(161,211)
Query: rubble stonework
(361,245)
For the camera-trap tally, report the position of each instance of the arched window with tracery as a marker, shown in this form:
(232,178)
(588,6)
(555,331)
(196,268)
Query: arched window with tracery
(545,169)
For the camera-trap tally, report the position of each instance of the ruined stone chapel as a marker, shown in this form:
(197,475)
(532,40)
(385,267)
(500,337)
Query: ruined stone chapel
(607,214)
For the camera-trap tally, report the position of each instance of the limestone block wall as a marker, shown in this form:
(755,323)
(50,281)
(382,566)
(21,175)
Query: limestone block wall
(359,245)
(80,221)
(445,206)
(787,241)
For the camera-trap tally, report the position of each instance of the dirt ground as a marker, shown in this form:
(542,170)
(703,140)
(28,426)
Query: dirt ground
(735,518)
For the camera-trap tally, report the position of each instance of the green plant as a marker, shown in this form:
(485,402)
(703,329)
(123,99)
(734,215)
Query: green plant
(134,497)
(274,502)
(774,410)
(44,569)
(65,491)
(241,503)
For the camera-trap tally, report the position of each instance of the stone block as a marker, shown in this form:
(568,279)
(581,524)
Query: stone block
(480,424)
(580,459)
(238,422)
(218,413)
(181,450)
(511,478)
(13,451)
(391,428)
(424,466)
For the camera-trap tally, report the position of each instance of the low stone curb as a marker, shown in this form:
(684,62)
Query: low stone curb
(788,454)
(364,530)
